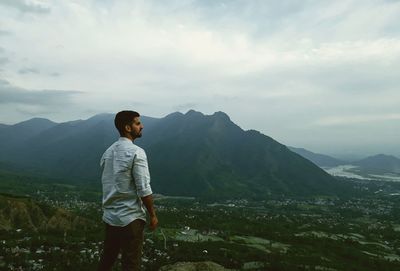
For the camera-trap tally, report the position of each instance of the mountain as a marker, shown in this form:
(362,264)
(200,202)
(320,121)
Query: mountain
(189,154)
(321,160)
(11,135)
(68,150)
(3,126)
(222,160)
(26,214)
(379,164)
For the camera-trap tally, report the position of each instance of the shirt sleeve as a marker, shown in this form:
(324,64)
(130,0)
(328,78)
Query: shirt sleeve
(141,175)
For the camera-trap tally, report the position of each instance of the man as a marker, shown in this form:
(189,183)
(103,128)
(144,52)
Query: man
(126,188)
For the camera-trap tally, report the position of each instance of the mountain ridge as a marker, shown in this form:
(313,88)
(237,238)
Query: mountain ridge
(189,154)
(319,159)
(380,163)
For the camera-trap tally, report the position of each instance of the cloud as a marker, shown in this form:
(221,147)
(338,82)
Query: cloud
(4,33)
(26,6)
(295,70)
(10,94)
(17,104)
(3,60)
(28,70)
(355,119)
(55,74)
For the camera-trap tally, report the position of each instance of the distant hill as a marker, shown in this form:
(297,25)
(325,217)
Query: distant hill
(3,126)
(26,214)
(11,135)
(189,154)
(379,164)
(321,160)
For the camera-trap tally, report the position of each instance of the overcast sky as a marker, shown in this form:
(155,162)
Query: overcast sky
(324,75)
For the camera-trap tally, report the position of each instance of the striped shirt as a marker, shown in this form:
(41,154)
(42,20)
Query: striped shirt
(125,179)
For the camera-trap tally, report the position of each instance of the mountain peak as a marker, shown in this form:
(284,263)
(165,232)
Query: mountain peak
(36,121)
(221,115)
(100,117)
(37,124)
(380,163)
(192,112)
(174,114)
(380,157)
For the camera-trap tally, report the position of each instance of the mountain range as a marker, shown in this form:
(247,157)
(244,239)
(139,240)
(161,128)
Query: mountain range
(379,164)
(321,160)
(189,154)
(375,164)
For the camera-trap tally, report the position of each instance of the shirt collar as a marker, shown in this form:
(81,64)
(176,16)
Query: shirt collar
(122,138)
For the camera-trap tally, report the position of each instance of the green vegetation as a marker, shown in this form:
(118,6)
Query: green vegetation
(359,233)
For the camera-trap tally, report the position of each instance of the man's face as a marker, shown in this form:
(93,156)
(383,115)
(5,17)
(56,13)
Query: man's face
(136,128)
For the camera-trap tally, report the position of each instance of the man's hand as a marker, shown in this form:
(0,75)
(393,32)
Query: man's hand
(148,202)
(153,222)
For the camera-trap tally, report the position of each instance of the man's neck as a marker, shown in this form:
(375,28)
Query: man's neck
(129,137)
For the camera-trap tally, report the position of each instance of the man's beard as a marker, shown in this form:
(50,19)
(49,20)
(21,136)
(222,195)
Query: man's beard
(136,135)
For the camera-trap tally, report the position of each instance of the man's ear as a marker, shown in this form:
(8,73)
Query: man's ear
(128,128)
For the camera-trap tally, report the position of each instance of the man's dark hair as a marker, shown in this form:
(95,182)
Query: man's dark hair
(123,118)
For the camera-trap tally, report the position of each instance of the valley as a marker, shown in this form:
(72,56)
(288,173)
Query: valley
(278,233)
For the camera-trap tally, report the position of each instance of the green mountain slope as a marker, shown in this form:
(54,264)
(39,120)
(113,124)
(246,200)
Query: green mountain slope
(189,155)
(26,214)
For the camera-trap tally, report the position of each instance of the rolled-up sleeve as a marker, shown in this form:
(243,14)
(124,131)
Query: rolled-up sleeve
(141,175)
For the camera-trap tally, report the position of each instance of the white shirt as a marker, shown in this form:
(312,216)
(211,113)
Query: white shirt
(125,179)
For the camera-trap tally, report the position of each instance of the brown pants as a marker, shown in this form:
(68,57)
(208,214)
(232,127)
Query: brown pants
(129,240)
